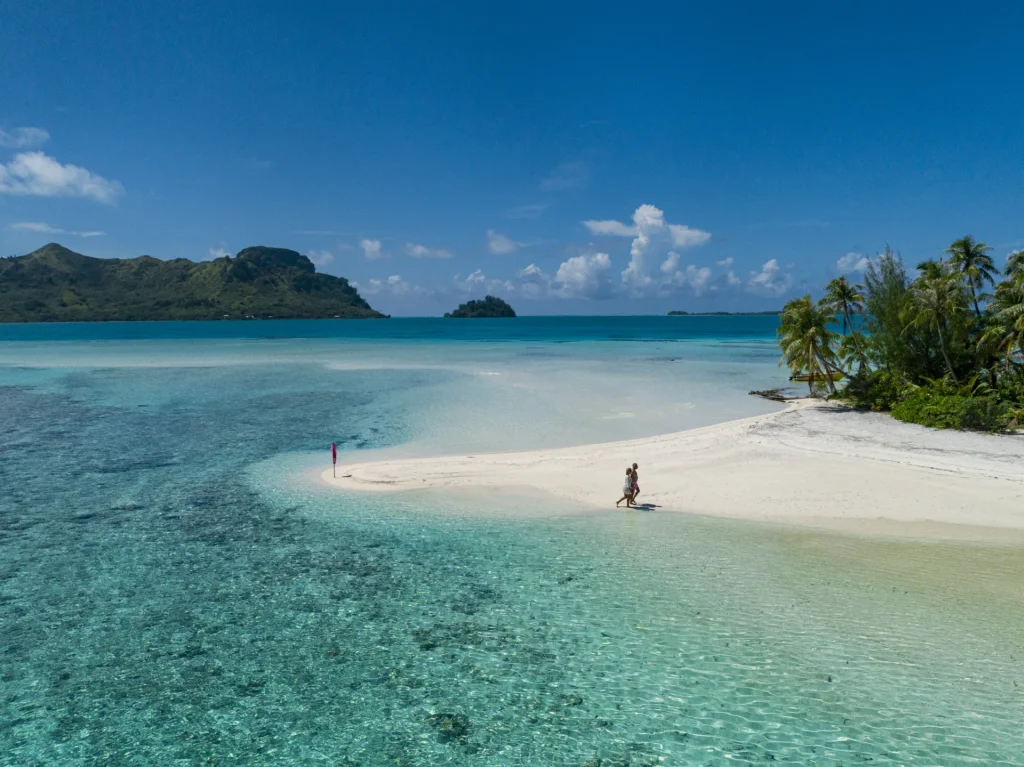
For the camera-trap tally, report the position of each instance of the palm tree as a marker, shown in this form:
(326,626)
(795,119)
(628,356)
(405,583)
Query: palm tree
(1006,333)
(806,341)
(930,268)
(972,260)
(843,298)
(851,350)
(936,301)
(1015,263)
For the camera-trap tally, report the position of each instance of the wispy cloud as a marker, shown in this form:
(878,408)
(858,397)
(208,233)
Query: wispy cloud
(567,176)
(422,251)
(320,257)
(23,138)
(480,284)
(610,228)
(373,250)
(218,253)
(500,244)
(394,285)
(526,211)
(35,173)
(42,228)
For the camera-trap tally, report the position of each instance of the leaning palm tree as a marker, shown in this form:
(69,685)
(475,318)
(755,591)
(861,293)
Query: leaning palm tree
(938,301)
(1005,334)
(972,260)
(807,343)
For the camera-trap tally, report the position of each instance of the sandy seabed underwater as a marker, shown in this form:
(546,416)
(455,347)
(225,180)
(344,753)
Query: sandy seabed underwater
(163,602)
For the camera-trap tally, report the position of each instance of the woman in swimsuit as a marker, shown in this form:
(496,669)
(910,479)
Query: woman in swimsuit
(627,490)
(634,482)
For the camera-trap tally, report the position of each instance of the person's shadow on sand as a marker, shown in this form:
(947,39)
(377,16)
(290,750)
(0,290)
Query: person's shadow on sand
(644,506)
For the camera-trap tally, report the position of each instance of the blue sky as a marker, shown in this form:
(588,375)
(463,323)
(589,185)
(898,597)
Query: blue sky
(573,158)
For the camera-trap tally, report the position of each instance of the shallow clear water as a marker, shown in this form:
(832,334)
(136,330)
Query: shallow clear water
(174,590)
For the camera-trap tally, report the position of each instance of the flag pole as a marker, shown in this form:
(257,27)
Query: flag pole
(334,460)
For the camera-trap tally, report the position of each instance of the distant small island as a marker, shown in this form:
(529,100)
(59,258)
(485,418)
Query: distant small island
(487,308)
(54,284)
(723,314)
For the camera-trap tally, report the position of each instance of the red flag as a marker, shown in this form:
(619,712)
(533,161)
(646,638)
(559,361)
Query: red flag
(334,453)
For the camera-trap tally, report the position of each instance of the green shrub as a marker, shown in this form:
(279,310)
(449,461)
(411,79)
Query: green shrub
(878,390)
(933,406)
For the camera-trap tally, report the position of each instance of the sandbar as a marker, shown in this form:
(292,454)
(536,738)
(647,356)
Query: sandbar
(812,463)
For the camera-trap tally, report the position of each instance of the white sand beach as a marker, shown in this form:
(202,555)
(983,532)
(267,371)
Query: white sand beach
(811,463)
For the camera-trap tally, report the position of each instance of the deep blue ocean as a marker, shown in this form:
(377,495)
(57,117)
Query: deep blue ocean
(176,588)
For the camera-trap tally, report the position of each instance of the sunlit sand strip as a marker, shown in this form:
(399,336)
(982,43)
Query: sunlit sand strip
(811,463)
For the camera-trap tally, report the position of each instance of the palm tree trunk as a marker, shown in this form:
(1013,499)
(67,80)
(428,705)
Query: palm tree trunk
(945,354)
(828,373)
(974,298)
(810,369)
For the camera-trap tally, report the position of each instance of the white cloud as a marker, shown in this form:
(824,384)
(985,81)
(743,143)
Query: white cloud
(372,249)
(613,228)
(651,231)
(730,277)
(852,262)
(42,228)
(23,138)
(218,253)
(35,173)
(770,281)
(526,211)
(697,278)
(393,285)
(479,284)
(422,251)
(583,277)
(500,244)
(566,176)
(321,257)
(533,282)
(685,237)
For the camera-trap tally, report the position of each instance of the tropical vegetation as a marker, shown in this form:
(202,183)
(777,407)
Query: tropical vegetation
(57,284)
(941,347)
(487,307)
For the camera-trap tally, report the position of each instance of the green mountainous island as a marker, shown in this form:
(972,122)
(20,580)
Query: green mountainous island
(54,284)
(487,307)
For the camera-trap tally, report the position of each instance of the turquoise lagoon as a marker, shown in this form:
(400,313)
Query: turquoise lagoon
(177,589)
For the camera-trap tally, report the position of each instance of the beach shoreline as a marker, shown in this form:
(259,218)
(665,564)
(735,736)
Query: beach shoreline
(811,464)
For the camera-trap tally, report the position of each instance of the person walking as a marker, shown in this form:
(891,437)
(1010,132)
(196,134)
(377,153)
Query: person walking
(627,490)
(634,482)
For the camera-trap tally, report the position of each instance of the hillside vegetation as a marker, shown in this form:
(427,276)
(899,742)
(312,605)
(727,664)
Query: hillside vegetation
(57,284)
